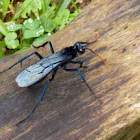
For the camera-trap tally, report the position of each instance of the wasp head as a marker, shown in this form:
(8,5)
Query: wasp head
(80,47)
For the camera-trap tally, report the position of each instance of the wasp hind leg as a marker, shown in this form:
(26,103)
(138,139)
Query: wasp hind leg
(40,97)
(22,59)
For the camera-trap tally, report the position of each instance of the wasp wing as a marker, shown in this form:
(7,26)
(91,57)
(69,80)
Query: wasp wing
(38,70)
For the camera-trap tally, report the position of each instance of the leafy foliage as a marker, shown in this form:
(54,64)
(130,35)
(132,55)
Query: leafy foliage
(13,27)
(27,7)
(11,41)
(31,22)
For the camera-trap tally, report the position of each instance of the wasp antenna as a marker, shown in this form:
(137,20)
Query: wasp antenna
(88,43)
(105,62)
(97,36)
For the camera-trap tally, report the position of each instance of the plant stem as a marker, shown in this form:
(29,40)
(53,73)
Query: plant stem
(75,6)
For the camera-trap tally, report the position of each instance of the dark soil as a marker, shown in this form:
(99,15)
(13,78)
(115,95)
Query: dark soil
(83,3)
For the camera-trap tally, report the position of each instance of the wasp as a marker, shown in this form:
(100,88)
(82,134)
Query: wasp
(37,71)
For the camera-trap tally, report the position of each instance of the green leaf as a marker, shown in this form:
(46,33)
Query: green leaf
(61,26)
(14,27)
(11,41)
(3,28)
(2,43)
(1,3)
(49,14)
(31,24)
(45,5)
(73,15)
(1,35)
(47,2)
(41,40)
(5,7)
(49,25)
(27,7)
(62,17)
(62,5)
(33,33)
(75,6)
(1,53)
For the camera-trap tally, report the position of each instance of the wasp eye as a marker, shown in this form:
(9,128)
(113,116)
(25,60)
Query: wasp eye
(77,44)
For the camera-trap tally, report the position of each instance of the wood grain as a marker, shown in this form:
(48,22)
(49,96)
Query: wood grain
(69,111)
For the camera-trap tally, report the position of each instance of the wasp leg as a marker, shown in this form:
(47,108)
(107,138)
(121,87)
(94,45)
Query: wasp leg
(22,59)
(43,45)
(41,96)
(79,62)
(84,80)
(80,73)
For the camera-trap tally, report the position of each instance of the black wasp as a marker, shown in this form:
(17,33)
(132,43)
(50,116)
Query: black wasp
(37,71)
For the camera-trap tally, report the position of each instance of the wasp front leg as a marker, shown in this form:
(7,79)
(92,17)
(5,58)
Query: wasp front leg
(43,45)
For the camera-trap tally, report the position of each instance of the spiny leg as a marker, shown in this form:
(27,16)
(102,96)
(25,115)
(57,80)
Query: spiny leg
(43,45)
(41,96)
(84,80)
(22,59)
(80,73)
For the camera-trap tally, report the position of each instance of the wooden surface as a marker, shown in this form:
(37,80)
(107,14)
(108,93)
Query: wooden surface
(69,111)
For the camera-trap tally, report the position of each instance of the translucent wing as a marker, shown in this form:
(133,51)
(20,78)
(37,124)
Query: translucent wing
(38,70)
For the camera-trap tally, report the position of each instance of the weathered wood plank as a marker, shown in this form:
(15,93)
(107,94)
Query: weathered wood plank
(69,111)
